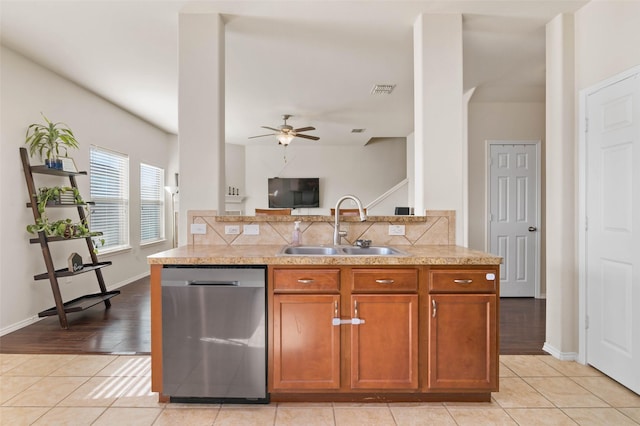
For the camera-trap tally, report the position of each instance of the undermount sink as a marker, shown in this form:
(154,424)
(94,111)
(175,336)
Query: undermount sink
(340,251)
(371,251)
(309,251)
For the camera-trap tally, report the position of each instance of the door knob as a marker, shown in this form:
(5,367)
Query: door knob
(532,229)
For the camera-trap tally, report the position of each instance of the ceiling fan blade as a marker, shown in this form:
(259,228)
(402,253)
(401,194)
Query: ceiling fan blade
(313,138)
(270,128)
(261,136)
(304,129)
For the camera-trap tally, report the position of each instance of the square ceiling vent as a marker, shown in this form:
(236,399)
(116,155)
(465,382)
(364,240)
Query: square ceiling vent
(383,89)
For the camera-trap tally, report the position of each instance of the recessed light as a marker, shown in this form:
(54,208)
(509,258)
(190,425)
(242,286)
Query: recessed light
(383,89)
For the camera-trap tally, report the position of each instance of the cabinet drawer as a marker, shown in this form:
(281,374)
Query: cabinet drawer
(463,281)
(385,280)
(306,280)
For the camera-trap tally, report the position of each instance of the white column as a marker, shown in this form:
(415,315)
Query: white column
(561,191)
(201,114)
(438,115)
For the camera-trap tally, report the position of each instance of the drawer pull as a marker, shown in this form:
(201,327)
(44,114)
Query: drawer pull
(433,303)
(305,281)
(386,281)
(463,282)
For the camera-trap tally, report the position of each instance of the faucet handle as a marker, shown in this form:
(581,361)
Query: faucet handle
(363,243)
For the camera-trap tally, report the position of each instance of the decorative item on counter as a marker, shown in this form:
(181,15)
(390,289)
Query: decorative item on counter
(75,262)
(296,238)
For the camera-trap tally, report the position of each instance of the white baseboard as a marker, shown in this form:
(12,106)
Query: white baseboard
(21,324)
(127,281)
(562,356)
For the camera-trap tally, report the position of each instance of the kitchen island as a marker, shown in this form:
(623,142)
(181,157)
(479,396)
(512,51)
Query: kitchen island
(418,327)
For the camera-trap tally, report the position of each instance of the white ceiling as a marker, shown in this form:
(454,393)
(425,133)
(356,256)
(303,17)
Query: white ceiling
(316,60)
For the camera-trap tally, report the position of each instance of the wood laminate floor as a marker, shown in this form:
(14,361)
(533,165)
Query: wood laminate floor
(125,328)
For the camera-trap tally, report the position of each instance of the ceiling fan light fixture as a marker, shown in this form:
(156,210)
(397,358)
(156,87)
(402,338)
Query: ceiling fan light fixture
(285,139)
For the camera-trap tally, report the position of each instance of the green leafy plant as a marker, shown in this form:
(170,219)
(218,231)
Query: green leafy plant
(55,194)
(64,228)
(47,139)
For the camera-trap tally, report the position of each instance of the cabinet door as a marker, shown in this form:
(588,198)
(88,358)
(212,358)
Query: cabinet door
(463,342)
(306,352)
(384,349)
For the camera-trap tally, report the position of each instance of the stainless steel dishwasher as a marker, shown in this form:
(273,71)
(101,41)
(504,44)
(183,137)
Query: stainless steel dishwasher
(214,333)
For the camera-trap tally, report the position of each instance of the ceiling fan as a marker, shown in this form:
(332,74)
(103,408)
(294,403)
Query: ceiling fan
(285,133)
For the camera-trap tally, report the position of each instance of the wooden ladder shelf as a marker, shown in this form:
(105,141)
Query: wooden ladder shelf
(61,308)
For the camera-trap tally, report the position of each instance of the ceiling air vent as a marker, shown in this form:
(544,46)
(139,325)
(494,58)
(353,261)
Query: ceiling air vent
(357,130)
(383,89)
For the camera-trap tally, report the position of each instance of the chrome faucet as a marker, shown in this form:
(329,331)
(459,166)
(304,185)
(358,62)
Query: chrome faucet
(337,233)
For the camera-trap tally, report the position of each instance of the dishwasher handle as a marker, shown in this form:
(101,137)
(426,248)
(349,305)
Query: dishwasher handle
(212,283)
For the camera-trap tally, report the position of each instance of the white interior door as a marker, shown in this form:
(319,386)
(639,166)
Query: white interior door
(613,231)
(514,215)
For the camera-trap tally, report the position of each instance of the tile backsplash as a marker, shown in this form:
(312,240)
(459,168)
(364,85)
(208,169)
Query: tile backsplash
(436,227)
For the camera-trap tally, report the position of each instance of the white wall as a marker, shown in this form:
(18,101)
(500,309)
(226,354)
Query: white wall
(26,90)
(200,112)
(365,172)
(438,116)
(561,320)
(499,121)
(601,44)
(606,40)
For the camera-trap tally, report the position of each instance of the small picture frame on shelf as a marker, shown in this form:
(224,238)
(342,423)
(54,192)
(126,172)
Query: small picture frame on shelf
(75,262)
(68,165)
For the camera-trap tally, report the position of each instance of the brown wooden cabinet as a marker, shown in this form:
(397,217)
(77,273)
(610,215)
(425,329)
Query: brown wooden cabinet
(384,349)
(372,341)
(463,330)
(406,333)
(306,342)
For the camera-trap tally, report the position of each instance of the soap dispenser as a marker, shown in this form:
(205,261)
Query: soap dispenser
(296,238)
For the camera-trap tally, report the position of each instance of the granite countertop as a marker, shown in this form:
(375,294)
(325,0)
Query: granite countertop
(268,255)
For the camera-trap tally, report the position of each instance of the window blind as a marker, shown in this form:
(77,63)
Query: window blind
(110,191)
(151,203)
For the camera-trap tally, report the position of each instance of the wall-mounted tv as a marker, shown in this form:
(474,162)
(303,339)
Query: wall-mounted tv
(294,193)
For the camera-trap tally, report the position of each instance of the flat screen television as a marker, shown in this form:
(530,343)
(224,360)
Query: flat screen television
(294,193)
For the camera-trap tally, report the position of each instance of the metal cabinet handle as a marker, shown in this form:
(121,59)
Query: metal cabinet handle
(463,282)
(336,318)
(305,281)
(385,281)
(433,303)
(355,320)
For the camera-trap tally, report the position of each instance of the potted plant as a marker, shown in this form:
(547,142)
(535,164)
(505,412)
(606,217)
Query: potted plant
(47,140)
(57,195)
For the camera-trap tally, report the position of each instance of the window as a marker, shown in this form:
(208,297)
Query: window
(110,192)
(151,204)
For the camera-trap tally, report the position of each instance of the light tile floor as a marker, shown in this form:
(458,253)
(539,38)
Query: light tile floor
(115,390)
